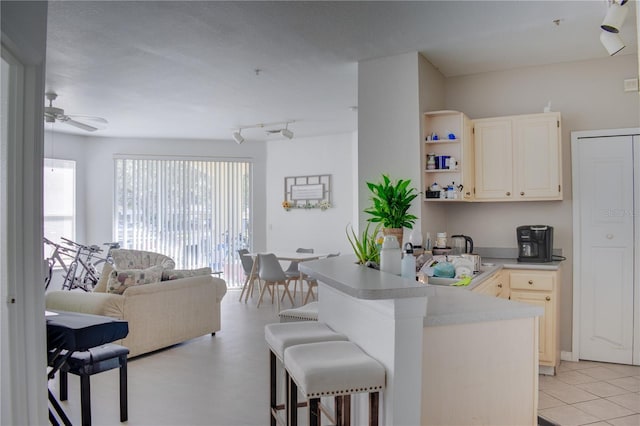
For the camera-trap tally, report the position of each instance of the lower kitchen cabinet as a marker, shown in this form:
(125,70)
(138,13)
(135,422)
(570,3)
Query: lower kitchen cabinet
(541,288)
(495,285)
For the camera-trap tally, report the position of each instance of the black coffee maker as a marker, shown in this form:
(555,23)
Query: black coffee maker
(535,243)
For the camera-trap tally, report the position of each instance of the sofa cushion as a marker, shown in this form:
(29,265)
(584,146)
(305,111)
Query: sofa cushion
(120,280)
(176,274)
(139,259)
(101,286)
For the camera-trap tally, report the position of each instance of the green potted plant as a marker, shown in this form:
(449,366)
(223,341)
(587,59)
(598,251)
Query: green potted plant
(391,203)
(364,246)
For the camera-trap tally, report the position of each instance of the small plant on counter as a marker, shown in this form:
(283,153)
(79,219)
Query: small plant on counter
(364,246)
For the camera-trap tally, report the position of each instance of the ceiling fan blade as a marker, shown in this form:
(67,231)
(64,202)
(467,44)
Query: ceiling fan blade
(80,125)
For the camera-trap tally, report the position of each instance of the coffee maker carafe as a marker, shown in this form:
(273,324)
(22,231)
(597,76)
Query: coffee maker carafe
(535,243)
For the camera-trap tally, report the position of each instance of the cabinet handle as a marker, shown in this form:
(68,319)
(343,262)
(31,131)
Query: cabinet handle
(468,194)
(508,194)
(499,285)
(522,193)
(548,298)
(530,282)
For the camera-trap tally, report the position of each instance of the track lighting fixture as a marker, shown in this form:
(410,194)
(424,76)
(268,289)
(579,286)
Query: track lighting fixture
(284,132)
(612,42)
(238,137)
(615,17)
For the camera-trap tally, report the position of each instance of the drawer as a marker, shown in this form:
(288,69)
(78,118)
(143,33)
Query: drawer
(530,281)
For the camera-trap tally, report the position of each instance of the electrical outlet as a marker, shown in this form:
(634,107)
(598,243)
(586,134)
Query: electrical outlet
(631,85)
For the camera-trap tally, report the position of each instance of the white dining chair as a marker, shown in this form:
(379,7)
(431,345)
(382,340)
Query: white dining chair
(312,283)
(293,273)
(247,267)
(272,275)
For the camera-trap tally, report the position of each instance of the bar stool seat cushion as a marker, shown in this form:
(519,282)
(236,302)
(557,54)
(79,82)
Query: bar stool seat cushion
(280,336)
(308,312)
(333,368)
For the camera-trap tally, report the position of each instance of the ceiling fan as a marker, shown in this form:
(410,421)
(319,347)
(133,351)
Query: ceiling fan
(84,122)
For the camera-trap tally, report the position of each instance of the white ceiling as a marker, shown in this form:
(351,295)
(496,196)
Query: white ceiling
(186,69)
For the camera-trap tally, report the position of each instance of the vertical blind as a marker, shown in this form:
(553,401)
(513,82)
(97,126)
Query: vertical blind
(195,211)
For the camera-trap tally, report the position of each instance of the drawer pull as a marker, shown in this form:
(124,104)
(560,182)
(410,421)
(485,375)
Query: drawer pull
(499,285)
(530,282)
(508,194)
(522,193)
(548,298)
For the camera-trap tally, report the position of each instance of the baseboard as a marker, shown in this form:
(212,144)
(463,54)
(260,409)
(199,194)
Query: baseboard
(567,356)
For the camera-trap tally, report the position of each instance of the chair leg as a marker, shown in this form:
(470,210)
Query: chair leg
(264,287)
(64,387)
(124,397)
(292,404)
(85,400)
(374,402)
(244,288)
(314,412)
(272,388)
(277,295)
(346,407)
(286,291)
(309,293)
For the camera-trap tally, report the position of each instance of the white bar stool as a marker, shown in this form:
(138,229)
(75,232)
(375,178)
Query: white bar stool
(308,312)
(281,336)
(336,369)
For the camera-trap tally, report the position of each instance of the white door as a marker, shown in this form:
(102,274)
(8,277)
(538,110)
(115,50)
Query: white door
(606,201)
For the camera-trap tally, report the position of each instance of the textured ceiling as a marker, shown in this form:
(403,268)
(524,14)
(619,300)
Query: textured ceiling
(187,69)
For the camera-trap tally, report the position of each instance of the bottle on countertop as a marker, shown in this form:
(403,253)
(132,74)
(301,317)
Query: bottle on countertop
(390,255)
(408,269)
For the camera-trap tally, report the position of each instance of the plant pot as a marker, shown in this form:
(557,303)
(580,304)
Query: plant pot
(396,232)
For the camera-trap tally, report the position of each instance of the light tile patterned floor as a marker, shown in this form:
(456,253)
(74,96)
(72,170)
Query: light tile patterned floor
(591,393)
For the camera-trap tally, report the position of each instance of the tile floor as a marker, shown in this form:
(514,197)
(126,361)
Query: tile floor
(591,393)
(223,380)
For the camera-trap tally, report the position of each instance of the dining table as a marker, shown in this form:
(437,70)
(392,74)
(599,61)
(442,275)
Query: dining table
(290,256)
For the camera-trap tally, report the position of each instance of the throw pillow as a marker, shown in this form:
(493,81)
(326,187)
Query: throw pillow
(119,281)
(101,286)
(175,274)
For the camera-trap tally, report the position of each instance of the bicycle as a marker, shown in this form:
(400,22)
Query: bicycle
(83,272)
(55,257)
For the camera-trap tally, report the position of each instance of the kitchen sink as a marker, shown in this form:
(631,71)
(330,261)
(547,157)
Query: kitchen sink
(442,280)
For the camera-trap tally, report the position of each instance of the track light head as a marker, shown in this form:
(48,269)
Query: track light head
(612,42)
(238,137)
(614,19)
(286,133)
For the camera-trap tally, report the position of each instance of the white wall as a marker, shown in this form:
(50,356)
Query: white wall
(324,231)
(388,124)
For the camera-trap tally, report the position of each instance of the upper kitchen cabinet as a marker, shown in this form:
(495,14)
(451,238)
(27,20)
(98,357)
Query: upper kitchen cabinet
(518,158)
(447,155)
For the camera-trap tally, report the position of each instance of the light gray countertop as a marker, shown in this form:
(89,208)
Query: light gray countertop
(342,273)
(445,305)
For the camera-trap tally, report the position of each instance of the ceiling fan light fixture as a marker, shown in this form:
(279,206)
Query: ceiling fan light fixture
(238,137)
(615,17)
(612,42)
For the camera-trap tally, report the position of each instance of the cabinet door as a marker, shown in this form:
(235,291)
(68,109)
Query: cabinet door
(494,159)
(545,322)
(536,144)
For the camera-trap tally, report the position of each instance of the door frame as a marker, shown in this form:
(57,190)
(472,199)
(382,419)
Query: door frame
(577,264)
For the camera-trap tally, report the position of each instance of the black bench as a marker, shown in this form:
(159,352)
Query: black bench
(93,361)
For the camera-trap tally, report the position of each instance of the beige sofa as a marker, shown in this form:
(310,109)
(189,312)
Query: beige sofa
(159,314)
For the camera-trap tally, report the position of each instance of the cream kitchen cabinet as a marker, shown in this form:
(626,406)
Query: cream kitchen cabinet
(495,285)
(518,158)
(541,288)
(458,147)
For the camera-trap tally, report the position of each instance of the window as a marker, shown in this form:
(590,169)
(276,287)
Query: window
(59,205)
(195,211)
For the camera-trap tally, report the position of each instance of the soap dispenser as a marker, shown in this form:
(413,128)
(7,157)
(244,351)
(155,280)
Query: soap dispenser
(408,262)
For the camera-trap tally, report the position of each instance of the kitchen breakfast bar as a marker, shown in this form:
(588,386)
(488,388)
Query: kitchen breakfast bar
(451,356)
